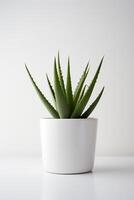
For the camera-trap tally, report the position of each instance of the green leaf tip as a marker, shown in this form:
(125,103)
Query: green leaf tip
(60,74)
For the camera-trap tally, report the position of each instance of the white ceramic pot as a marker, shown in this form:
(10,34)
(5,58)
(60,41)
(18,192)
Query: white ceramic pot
(68,145)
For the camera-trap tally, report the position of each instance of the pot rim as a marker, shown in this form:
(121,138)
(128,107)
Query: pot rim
(90,118)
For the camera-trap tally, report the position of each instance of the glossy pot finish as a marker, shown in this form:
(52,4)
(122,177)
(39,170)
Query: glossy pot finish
(68,145)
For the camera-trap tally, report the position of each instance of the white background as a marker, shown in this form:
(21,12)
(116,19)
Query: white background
(32,32)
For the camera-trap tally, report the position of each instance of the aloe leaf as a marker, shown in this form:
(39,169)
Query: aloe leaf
(92,106)
(82,92)
(49,107)
(81,105)
(69,88)
(60,75)
(80,84)
(51,88)
(61,101)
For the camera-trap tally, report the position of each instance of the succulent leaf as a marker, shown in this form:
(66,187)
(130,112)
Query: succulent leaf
(92,106)
(60,75)
(61,101)
(80,84)
(49,107)
(82,92)
(82,104)
(69,88)
(51,90)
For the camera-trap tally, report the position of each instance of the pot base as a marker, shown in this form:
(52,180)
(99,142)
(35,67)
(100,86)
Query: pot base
(69,173)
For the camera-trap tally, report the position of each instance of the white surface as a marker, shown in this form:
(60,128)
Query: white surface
(32,31)
(68,145)
(23,179)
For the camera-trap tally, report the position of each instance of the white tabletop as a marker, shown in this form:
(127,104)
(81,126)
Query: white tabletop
(23,179)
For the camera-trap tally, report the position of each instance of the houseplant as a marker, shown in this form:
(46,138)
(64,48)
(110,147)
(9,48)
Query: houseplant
(68,139)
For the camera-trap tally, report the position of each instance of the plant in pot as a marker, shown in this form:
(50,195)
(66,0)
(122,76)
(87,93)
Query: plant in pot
(68,139)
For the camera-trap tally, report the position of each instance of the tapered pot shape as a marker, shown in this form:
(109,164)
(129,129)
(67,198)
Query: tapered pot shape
(68,145)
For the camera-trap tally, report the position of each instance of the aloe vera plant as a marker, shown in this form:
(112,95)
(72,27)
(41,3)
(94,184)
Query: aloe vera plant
(67,104)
